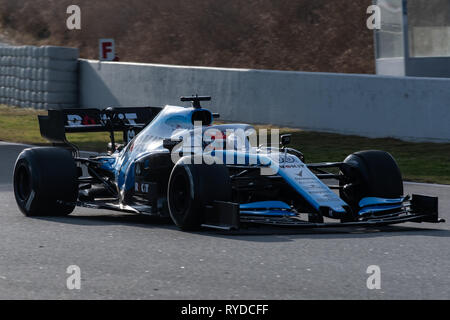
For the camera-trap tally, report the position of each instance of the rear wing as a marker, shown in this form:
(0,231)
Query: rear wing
(130,121)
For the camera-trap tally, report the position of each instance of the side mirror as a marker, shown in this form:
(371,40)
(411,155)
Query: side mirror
(169,144)
(285,139)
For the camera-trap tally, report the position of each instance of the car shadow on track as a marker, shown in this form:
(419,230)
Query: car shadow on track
(279,234)
(253,233)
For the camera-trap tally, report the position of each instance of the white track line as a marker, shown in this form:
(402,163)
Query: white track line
(427,184)
(15,143)
(5,143)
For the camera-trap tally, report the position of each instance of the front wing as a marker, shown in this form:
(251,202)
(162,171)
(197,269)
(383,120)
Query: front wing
(226,215)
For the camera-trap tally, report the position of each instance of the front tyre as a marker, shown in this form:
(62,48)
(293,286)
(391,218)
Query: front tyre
(45,180)
(370,174)
(191,188)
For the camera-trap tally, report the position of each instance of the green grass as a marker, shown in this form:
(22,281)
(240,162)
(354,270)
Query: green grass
(423,162)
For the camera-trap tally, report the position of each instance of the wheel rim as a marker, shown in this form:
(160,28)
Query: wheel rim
(180,194)
(23,183)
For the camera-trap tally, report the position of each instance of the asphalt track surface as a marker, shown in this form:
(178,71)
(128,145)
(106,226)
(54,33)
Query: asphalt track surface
(135,257)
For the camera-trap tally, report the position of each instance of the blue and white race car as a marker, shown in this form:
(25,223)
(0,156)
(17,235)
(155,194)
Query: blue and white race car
(176,163)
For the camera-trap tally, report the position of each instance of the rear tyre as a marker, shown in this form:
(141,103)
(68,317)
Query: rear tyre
(191,187)
(43,177)
(370,174)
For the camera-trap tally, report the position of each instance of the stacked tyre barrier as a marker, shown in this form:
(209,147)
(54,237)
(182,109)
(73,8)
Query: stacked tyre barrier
(39,77)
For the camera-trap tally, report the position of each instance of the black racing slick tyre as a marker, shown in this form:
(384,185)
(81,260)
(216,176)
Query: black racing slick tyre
(191,187)
(370,174)
(45,182)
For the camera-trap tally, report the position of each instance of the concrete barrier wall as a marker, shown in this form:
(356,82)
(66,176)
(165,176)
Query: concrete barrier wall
(39,77)
(366,105)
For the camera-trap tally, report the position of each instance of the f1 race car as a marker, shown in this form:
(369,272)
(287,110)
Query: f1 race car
(220,180)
